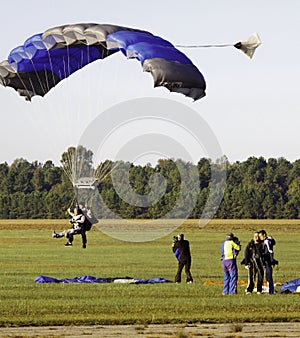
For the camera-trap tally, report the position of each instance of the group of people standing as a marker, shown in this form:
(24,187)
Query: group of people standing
(258,260)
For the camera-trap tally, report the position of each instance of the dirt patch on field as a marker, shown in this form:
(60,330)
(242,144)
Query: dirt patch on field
(163,331)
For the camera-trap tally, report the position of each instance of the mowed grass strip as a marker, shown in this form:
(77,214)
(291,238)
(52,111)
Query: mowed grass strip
(28,250)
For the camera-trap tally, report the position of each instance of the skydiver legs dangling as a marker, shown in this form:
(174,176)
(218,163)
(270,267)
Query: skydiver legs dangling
(70,235)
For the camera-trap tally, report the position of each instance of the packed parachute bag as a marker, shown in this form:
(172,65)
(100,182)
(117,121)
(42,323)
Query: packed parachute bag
(87,224)
(90,219)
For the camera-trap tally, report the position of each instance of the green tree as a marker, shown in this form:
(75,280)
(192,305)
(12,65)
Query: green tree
(4,169)
(19,176)
(52,175)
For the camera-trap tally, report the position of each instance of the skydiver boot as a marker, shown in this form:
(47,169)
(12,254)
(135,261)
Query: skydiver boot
(57,235)
(70,237)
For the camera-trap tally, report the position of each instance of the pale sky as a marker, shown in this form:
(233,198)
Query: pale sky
(252,106)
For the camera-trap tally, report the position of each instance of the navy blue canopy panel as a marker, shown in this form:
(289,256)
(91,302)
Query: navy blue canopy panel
(47,58)
(92,279)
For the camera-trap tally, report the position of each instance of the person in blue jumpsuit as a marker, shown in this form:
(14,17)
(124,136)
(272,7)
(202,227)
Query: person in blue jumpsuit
(229,250)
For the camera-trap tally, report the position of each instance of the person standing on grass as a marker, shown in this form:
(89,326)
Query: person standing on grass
(254,264)
(181,249)
(229,250)
(268,258)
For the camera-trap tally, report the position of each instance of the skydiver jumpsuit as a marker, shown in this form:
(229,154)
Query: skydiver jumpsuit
(254,260)
(228,248)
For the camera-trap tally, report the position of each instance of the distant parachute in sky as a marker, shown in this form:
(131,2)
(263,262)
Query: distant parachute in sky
(46,59)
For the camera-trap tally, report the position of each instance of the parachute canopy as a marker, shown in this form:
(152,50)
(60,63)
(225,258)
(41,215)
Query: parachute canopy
(47,58)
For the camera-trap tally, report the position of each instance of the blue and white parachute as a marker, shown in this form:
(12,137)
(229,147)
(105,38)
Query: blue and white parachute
(291,286)
(46,59)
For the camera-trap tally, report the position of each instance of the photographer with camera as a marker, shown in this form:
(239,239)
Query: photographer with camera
(268,258)
(181,250)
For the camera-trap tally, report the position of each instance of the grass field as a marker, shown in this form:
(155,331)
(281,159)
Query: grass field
(28,250)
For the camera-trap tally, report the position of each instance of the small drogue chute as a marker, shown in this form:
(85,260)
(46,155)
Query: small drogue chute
(248,47)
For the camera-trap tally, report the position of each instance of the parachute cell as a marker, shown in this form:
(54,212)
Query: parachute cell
(46,59)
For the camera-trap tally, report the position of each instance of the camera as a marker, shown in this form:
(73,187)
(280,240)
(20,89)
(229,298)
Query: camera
(236,240)
(175,239)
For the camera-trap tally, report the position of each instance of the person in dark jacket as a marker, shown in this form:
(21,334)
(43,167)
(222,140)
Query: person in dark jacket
(181,249)
(268,258)
(254,264)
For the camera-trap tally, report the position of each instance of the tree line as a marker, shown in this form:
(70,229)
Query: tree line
(256,188)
